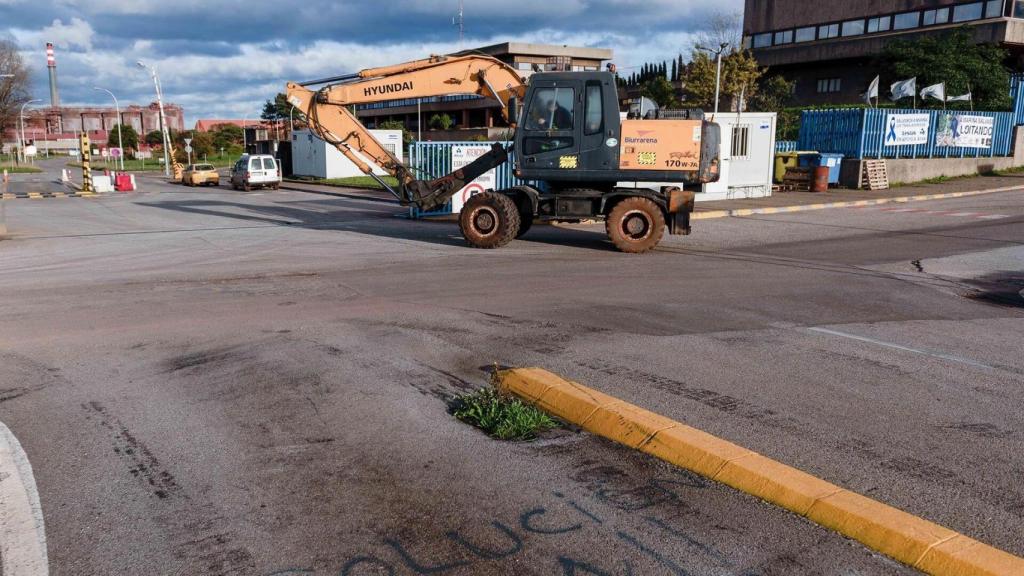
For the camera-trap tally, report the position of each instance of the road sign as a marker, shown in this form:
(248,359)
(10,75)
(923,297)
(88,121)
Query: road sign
(188,149)
(187,141)
(115,152)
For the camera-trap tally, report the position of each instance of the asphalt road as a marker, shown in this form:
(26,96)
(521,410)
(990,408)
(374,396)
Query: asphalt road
(217,382)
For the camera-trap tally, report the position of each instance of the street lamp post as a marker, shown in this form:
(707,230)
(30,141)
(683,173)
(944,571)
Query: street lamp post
(163,120)
(117,109)
(718,68)
(21,118)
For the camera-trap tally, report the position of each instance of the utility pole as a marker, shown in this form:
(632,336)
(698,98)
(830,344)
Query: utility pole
(163,121)
(117,109)
(718,68)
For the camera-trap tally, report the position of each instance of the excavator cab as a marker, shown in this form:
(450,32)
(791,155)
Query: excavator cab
(571,131)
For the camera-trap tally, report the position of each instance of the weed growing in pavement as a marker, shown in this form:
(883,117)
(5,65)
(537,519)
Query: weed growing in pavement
(502,416)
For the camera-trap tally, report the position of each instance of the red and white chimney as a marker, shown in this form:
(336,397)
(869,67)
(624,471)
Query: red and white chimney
(51,65)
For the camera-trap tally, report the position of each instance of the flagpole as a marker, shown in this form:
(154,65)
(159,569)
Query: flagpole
(943,96)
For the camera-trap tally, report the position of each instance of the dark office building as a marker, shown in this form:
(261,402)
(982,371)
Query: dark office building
(828,47)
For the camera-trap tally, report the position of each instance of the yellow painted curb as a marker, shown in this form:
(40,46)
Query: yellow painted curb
(912,540)
(712,214)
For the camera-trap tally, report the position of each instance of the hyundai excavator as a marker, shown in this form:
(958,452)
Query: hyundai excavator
(583,160)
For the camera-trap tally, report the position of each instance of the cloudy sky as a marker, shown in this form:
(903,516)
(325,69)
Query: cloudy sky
(225,58)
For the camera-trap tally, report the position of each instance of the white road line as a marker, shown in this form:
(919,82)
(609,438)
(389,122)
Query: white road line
(993,216)
(22,534)
(949,357)
(963,214)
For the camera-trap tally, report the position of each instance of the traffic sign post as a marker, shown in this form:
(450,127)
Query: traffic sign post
(188,149)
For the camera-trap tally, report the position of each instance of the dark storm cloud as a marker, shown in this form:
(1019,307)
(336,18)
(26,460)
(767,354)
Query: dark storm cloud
(226,57)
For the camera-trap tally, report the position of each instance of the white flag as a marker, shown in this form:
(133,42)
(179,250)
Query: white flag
(960,98)
(937,91)
(872,90)
(903,89)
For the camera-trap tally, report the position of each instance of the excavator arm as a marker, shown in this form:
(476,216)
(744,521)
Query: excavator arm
(329,116)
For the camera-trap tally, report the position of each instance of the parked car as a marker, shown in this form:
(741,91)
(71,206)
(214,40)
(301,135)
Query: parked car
(256,171)
(200,175)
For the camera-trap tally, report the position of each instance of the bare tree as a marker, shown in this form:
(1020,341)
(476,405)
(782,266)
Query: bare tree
(722,27)
(14,85)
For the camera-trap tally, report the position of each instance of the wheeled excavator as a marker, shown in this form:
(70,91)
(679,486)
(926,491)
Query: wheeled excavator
(583,160)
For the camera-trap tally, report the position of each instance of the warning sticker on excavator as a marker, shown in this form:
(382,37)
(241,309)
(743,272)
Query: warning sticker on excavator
(568,162)
(647,158)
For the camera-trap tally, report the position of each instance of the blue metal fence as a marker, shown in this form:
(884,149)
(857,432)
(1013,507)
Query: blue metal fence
(433,159)
(860,133)
(786,146)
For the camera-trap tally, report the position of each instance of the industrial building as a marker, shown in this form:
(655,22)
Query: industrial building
(475,115)
(57,127)
(828,48)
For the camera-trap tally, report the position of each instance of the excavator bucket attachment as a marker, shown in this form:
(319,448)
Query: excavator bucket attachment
(428,195)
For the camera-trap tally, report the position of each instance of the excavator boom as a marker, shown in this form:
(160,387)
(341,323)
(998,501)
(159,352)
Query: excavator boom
(329,116)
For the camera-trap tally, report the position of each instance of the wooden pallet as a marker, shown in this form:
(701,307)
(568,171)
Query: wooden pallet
(875,175)
(796,180)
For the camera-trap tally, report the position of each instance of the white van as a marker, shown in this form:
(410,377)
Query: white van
(256,170)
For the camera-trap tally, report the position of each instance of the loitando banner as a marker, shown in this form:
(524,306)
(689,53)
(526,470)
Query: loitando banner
(964,131)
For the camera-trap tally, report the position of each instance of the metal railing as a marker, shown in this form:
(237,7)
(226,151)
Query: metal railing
(860,133)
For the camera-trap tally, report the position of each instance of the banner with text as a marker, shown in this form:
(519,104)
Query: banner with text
(462,155)
(906,129)
(964,131)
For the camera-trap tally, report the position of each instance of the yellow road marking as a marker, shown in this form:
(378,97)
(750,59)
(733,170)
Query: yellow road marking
(910,539)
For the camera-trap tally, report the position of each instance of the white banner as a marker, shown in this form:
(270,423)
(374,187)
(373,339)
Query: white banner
(906,129)
(964,130)
(462,155)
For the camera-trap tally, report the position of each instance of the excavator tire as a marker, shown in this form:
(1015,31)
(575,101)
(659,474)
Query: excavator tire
(489,220)
(525,219)
(635,225)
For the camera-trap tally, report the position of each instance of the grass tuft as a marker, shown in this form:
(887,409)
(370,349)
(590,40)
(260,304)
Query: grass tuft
(502,416)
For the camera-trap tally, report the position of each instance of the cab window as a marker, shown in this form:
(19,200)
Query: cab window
(551,109)
(594,121)
(268,164)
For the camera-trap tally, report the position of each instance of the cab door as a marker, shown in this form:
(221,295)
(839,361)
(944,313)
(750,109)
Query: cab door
(550,131)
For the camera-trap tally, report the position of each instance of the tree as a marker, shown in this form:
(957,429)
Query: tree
(14,90)
(661,91)
(441,121)
(129,137)
(721,28)
(675,72)
(740,75)
(226,136)
(278,109)
(396,125)
(155,138)
(955,59)
(774,93)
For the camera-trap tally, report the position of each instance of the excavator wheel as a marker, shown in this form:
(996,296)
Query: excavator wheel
(635,225)
(489,220)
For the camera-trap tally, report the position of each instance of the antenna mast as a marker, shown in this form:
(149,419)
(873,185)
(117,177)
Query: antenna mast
(460,21)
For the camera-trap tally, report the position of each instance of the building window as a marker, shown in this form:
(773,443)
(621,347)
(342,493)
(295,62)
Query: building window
(906,20)
(829,85)
(939,16)
(853,28)
(828,31)
(967,12)
(524,66)
(1018,9)
(740,140)
(994,9)
(805,34)
(763,40)
(784,37)
(880,24)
